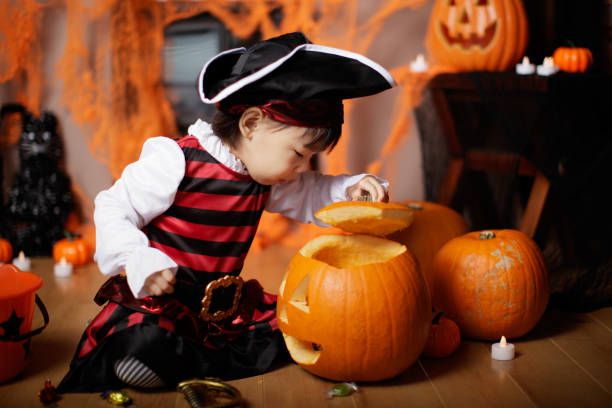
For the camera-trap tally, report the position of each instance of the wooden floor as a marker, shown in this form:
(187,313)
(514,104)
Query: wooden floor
(565,362)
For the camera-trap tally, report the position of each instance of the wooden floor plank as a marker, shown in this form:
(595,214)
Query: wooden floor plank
(603,316)
(588,344)
(469,378)
(410,389)
(251,389)
(291,386)
(547,374)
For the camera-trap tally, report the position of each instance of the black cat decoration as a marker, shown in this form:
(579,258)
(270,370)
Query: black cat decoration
(40,198)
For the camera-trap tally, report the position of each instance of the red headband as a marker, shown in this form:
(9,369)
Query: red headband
(311,114)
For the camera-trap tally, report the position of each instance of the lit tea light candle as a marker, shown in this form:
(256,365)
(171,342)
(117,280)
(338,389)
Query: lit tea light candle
(548,67)
(419,64)
(22,262)
(502,350)
(525,67)
(63,268)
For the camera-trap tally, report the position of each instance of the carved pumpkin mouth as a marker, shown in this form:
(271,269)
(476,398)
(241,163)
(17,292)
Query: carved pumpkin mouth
(303,352)
(473,40)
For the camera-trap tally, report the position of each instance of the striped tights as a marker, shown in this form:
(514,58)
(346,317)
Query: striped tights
(135,373)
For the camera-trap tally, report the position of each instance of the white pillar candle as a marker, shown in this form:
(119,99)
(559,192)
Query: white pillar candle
(502,350)
(22,262)
(525,67)
(63,268)
(419,64)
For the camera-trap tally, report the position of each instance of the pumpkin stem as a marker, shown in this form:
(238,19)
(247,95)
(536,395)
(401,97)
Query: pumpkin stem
(486,235)
(436,319)
(365,197)
(415,206)
(70,236)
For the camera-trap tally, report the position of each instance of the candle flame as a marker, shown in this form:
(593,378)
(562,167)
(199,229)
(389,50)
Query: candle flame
(420,58)
(63,261)
(21,256)
(525,60)
(548,62)
(503,342)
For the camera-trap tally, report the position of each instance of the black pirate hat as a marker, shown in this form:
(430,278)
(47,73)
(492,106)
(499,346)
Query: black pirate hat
(290,69)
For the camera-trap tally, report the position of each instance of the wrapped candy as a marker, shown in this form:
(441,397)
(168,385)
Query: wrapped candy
(117,398)
(343,389)
(48,394)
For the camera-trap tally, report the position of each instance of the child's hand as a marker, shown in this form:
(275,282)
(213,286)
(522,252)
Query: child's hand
(370,185)
(160,283)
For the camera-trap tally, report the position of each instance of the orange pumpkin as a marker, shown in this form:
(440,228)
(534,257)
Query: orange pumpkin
(433,225)
(444,337)
(573,59)
(6,251)
(74,249)
(354,307)
(491,283)
(474,35)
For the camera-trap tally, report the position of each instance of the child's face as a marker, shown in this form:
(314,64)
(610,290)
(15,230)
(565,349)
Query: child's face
(274,154)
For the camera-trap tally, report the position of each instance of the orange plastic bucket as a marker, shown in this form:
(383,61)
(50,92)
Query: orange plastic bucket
(17,298)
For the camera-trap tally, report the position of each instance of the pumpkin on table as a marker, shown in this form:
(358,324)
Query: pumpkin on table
(477,35)
(491,283)
(573,59)
(355,307)
(6,251)
(73,249)
(433,225)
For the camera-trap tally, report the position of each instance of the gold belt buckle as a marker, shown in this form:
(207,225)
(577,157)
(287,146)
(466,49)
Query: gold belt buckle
(215,303)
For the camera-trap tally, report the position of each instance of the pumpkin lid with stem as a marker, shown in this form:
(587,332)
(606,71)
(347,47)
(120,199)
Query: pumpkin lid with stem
(366,217)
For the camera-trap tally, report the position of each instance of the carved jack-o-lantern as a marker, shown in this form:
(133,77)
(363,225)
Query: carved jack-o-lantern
(471,35)
(354,307)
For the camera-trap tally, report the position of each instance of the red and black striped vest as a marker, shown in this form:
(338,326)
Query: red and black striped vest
(212,222)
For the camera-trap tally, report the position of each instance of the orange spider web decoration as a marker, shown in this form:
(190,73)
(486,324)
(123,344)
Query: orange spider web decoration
(111,69)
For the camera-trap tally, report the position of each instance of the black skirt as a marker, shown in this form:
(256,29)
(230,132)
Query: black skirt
(169,345)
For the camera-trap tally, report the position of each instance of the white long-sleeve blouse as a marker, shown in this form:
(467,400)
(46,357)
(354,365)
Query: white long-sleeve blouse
(147,188)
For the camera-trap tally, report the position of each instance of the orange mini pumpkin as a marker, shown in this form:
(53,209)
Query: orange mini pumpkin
(475,35)
(433,225)
(491,283)
(73,249)
(573,59)
(444,337)
(354,307)
(6,251)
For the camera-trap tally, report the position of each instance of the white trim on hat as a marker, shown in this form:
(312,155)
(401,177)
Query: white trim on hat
(271,67)
(201,76)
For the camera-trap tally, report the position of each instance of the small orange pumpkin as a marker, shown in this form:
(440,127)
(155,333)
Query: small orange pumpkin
(73,249)
(474,35)
(6,251)
(355,307)
(573,59)
(444,337)
(491,283)
(433,225)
